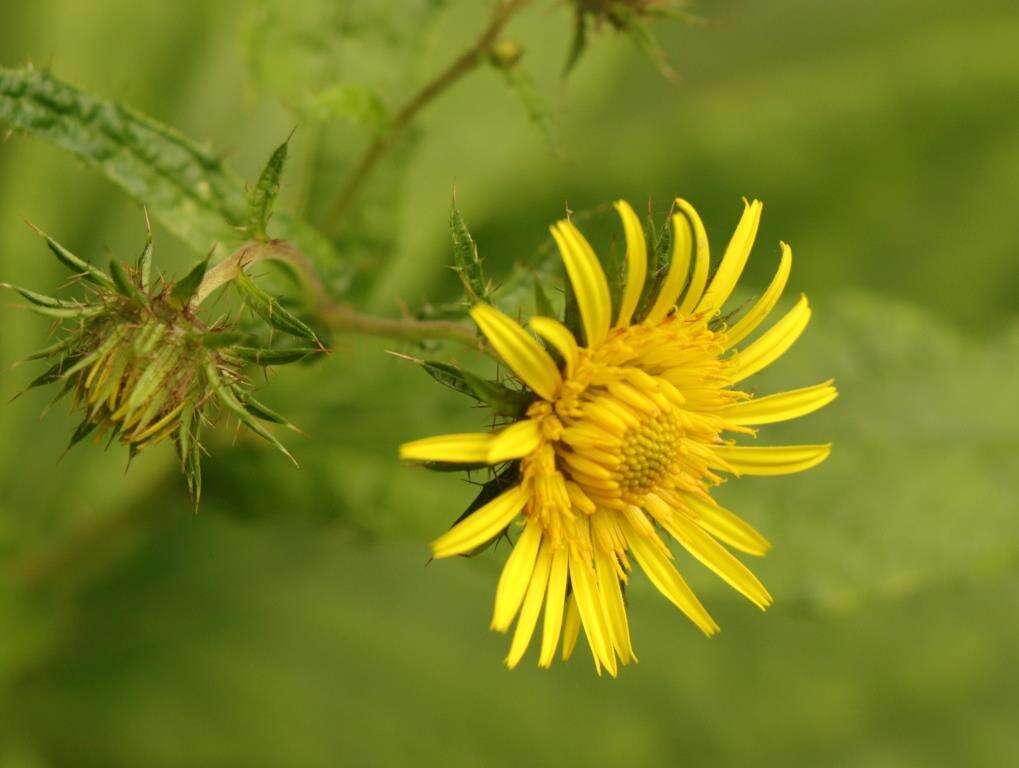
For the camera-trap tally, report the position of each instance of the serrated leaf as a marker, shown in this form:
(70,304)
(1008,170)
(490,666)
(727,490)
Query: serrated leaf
(184,289)
(185,186)
(270,310)
(466,262)
(269,356)
(262,196)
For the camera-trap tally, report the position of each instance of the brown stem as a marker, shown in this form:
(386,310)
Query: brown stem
(463,65)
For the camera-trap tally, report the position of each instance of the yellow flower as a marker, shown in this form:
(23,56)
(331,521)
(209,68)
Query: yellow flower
(625,439)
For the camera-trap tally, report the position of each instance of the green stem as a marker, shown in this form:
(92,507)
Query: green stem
(464,64)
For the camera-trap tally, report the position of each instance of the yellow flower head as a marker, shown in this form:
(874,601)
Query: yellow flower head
(626,437)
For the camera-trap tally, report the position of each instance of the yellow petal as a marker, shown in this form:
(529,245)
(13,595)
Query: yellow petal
(779,407)
(470,448)
(636,263)
(613,606)
(682,249)
(571,627)
(772,344)
(716,557)
(702,259)
(520,350)
(772,460)
(757,313)
(724,525)
(588,280)
(531,608)
(515,576)
(585,590)
(554,604)
(733,262)
(666,578)
(482,524)
(560,337)
(514,442)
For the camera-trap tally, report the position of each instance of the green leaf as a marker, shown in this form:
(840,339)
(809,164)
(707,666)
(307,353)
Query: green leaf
(500,398)
(230,400)
(466,262)
(542,304)
(262,411)
(538,111)
(144,265)
(579,42)
(41,300)
(76,264)
(184,289)
(490,490)
(123,282)
(447,375)
(262,196)
(185,186)
(270,310)
(630,22)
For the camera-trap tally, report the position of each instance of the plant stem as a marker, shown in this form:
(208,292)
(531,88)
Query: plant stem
(467,62)
(343,318)
(339,317)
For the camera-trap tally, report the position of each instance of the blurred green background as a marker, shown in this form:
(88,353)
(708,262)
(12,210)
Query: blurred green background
(293,621)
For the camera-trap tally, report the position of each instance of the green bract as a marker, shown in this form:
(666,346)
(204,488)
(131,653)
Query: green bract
(142,367)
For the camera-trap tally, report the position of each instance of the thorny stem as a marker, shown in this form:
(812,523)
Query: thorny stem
(466,63)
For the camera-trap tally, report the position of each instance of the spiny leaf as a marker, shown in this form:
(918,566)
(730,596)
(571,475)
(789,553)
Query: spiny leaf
(229,400)
(76,264)
(122,281)
(185,186)
(270,310)
(490,490)
(82,431)
(41,300)
(629,21)
(262,196)
(275,356)
(542,304)
(264,412)
(538,112)
(500,398)
(448,375)
(185,288)
(467,263)
(144,265)
(579,43)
